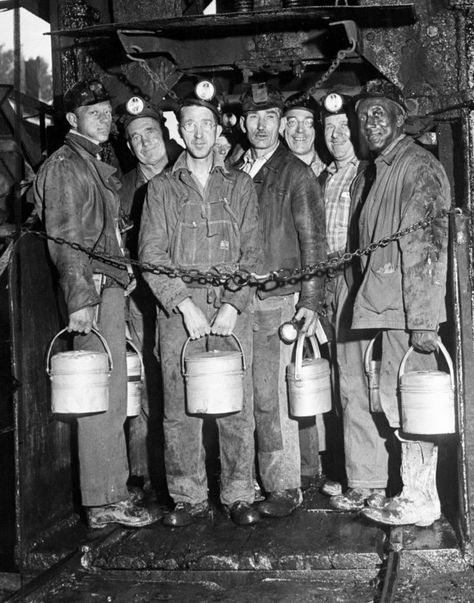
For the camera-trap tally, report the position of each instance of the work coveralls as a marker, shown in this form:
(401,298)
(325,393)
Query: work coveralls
(188,227)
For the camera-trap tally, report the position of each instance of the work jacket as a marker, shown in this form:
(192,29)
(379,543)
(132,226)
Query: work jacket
(76,196)
(404,283)
(291,206)
(186,227)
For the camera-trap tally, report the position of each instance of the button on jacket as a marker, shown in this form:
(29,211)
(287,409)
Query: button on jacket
(292,215)
(76,196)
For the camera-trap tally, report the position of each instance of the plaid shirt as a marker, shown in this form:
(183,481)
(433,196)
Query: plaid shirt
(337,200)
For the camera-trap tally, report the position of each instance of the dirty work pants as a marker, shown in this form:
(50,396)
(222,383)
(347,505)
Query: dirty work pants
(365,433)
(102,450)
(142,327)
(277,433)
(394,345)
(184,447)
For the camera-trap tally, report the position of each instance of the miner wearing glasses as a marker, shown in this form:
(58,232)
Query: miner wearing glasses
(201,215)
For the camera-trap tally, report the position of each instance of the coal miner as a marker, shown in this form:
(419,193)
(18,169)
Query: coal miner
(300,115)
(402,285)
(146,136)
(201,215)
(76,195)
(365,452)
(292,219)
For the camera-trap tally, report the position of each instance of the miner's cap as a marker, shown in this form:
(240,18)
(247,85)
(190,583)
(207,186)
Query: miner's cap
(380,88)
(204,95)
(84,93)
(135,108)
(261,96)
(299,101)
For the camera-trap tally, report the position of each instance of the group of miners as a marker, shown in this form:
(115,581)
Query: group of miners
(277,205)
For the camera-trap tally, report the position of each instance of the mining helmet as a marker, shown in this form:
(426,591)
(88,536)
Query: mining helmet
(299,101)
(137,107)
(260,97)
(380,88)
(204,95)
(84,93)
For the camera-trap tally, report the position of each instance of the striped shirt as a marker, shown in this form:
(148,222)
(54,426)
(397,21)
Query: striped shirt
(337,200)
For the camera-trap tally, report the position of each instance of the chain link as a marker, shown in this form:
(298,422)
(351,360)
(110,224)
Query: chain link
(341,55)
(238,278)
(155,78)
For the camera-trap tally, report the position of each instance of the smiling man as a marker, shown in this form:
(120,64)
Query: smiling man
(403,285)
(292,222)
(76,195)
(201,215)
(147,139)
(300,133)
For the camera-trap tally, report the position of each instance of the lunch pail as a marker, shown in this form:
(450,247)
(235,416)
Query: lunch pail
(213,380)
(372,370)
(79,379)
(427,398)
(309,381)
(135,374)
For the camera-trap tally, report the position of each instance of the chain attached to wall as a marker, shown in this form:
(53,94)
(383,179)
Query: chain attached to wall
(240,278)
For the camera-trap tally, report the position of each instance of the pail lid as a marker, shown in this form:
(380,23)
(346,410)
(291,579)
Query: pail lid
(429,379)
(212,356)
(78,361)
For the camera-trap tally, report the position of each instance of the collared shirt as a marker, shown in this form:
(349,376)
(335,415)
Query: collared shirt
(317,165)
(253,164)
(337,200)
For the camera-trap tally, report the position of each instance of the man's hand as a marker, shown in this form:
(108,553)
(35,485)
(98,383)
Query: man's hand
(224,322)
(82,321)
(194,320)
(424,341)
(308,320)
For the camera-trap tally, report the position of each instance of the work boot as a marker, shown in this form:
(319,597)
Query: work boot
(242,513)
(281,503)
(185,513)
(330,487)
(354,499)
(418,503)
(125,513)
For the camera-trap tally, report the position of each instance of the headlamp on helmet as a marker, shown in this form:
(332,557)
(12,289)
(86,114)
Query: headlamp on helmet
(333,102)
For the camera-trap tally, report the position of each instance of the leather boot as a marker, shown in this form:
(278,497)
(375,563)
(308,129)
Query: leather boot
(418,503)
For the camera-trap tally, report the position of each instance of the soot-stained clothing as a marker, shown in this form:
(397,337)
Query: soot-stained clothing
(76,196)
(190,227)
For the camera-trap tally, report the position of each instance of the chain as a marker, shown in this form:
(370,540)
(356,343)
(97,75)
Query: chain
(155,78)
(239,278)
(341,55)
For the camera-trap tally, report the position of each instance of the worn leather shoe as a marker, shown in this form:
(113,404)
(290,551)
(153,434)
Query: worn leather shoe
(329,487)
(185,514)
(125,513)
(243,513)
(354,499)
(281,503)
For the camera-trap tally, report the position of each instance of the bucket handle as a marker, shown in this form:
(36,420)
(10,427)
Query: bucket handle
(368,353)
(139,354)
(299,352)
(449,362)
(96,332)
(183,352)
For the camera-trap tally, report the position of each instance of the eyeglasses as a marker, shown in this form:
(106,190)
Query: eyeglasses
(205,124)
(293,122)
